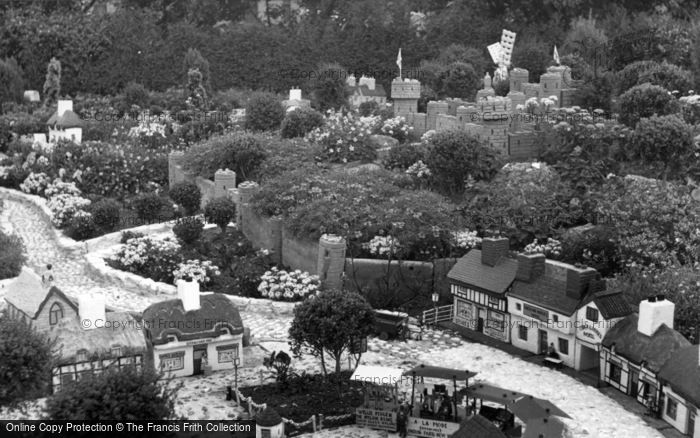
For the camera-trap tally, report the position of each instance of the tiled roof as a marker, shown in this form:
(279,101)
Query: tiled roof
(496,279)
(27,292)
(637,347)
(477,426)
(68,119)
(682,372)
(364,90)
(268,418)
(546,292)
(612,304)
(169,318)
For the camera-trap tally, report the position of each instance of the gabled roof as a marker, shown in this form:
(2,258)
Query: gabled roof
(682,372)
(477,426)
(28,294)
(215,312)
(495,279)
(637,347)
(72,338)
(611,304)
(364,90)
(68,119)
(546,292)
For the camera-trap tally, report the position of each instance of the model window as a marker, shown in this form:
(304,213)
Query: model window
(172,361)
(592,314)
(82,356)
(555,318)
(522,332)
(518,306)
(55,314)
(493,302)
(265,433)
(671,408)
(116,351)
(564,346)
(615,373)
(227,353)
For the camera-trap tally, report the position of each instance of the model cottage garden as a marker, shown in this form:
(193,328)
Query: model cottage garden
(350,219)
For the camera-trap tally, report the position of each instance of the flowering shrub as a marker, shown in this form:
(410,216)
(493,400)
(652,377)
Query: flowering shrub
(60,187)
(153,258)
(397,128)
(35,184)
(344,137)
(466,239)
(551,248)
(288,286)
(419,169)
(195,270)
(690,108)
(385,246)
(82,226)
(64,206)
(425,138)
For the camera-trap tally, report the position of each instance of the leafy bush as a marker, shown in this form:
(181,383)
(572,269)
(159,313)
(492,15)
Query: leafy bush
(455,155)
(286,155)
(195,60)
(148,206)
(328,88)
(469,55)
(220,211)
(149,257)
(18,124)
(188,229)
(664,139)
(299,122)
(401,157)
(644,101)
(82,226)
(12,256)
(690,108)
(187,195)
(196,92)
(64,207)
(281,285)
(136,94)
(368,108)
(11,81)
(596,92)
(264,112)
(594,247)
(460,81)
(241,152)
(52,84)
(344,138)
(120,393)
(668,76)
(396,127)
(105,213)
(27,360)
(126,235)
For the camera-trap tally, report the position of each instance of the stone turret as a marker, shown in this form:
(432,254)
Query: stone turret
(405,94)
(223,181)
(331,261)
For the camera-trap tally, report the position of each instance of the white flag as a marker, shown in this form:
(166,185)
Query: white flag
(398,59)
(556,55)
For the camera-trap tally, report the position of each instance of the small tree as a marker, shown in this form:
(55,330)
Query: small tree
(11,81)
(460,81)
(187,195)
(264,112)
(646,100)
(663,139)
(328,88)
(196,93)
(26,360)
(329,323)
(281,363)
(220,211)
(195,60)
(118,394)
(52,85)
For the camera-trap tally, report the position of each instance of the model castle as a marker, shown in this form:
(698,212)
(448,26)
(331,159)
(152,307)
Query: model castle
(500,121)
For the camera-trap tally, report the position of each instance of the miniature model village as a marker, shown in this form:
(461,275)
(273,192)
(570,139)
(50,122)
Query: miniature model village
(391,263)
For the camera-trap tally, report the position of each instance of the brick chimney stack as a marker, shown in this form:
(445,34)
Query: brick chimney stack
(530,266)
(493,248)
(577,281)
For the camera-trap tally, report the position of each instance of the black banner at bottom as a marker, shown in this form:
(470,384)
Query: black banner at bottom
(124,429)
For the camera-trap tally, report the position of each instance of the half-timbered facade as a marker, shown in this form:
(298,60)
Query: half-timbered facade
(479,282)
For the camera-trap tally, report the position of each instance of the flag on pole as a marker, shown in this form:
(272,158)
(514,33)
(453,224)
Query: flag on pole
(398,62)
(556,55)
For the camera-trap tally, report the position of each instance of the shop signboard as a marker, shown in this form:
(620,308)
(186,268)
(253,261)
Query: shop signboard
(376,419)
(427,428)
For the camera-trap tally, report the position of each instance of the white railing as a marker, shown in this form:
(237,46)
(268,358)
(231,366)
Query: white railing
(438,314)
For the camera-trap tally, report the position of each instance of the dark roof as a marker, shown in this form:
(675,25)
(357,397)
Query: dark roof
(364,90)
(268,418)
(477,426)
(682,372)
(546,292)
(636,347)
(496,279)
(485,391)
(439,372)
(68,119)
(215,312)
(612,303)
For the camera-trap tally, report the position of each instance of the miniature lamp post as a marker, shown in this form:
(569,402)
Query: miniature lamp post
(236,362)
(436,298)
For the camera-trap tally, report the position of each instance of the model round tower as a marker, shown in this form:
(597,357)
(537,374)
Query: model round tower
(331,261)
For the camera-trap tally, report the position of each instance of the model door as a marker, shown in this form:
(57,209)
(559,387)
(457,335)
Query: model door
(480,322)
(691,423)
(634,383)
(197,361)
(543,342)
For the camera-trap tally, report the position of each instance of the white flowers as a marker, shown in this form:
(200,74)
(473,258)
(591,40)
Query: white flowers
(396,127)
(551,248)
(35,184)
(465,239)
(419,169)
(140,250)
(64,207)
(383,245)
(148,129)
(59,187)
(283,285)
(194,270)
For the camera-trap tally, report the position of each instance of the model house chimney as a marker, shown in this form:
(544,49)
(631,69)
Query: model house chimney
(364,80)
(295,94)
(493,248)
(577,281)
(188,293)
(530,266)
(351,81)
(63,106)
(91,309)
(653,312)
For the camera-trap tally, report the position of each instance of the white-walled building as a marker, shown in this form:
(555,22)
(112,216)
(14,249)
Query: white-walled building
(192,331)
(365,89)
(635,349)
(64,124)
(680,380)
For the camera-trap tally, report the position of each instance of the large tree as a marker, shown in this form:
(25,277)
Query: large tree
(329,323)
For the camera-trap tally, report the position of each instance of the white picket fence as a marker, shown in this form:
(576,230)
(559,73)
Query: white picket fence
(438,314)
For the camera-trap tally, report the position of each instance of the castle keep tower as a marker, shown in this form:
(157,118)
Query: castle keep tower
(405,94)
(495,113)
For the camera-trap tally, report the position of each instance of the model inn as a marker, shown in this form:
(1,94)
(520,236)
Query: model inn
(194,332)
